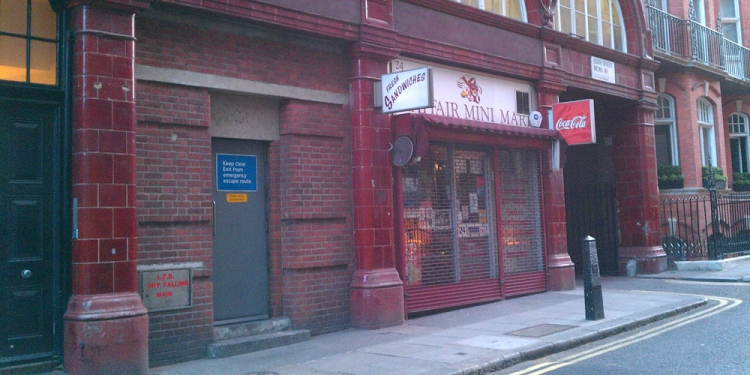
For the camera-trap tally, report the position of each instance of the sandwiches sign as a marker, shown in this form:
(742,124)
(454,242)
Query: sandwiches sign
(575,121)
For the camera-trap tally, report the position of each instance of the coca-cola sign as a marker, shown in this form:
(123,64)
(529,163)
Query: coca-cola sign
(575,121)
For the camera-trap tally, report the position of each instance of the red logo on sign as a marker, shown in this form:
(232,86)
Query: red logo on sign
(470,89)
(575,121)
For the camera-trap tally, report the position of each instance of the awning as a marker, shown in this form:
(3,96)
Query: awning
(402,124)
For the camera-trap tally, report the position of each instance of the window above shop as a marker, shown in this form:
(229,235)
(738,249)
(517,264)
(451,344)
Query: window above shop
(509,8)
(28,41)
(597,21)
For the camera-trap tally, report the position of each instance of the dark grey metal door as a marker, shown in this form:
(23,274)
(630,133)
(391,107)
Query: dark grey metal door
(27,248)
(240,252)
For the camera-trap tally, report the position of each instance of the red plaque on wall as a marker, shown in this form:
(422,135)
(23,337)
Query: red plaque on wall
(575,121)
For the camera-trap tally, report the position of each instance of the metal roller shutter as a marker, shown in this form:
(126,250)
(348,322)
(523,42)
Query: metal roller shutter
(450,234)
(521,222)
(451,254)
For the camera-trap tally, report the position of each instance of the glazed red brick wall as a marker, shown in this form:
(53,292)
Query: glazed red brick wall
(315,213)
(174,210)
(634,160)
(183,47)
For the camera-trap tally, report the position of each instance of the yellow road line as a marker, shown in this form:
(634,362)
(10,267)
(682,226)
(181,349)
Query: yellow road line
(729,283)
(723,304)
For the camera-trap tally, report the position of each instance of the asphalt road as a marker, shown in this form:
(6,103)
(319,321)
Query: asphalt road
(714,339)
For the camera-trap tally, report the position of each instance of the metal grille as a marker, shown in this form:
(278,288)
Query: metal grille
(521,211)
(449,218)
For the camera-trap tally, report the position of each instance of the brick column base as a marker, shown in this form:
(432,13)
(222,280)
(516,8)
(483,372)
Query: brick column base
(650,260)
(377,299)
(106,334)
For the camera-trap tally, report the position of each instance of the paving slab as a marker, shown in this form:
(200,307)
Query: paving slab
(472,340)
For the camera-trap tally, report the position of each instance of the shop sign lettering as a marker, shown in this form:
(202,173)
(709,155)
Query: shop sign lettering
(471,96)
(407,90)
(165,289)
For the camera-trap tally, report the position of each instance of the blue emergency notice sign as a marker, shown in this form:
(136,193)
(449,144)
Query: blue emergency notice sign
(236,172)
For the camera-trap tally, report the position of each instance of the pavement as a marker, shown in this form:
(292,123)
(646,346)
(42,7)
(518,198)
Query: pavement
(474,340)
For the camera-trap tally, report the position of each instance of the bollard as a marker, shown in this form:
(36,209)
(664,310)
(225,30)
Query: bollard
(592,284)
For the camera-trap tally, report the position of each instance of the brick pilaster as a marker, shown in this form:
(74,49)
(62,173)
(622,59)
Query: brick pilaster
(104,275)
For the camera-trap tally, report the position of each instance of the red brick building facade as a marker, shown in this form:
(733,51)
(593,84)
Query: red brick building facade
(155,98)
(701,120)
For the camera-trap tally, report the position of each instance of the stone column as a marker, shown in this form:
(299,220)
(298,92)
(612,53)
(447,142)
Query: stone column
(637,192)
(560,269)
(106,325)
(377,293)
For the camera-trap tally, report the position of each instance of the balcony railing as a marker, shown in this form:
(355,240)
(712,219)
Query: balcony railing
(690,40)
(669,33)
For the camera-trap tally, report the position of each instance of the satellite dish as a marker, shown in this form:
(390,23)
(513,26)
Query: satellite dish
(402,151)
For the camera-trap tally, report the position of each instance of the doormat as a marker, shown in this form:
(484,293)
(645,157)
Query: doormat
(540,330)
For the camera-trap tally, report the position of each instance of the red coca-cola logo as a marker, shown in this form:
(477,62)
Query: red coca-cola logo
(577,122)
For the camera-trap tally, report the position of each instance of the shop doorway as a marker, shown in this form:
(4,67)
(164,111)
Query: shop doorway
(28,229)
(240,252)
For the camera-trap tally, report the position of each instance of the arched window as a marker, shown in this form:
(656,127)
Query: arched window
(598,21)
(666,131)
(28,42)
(509,8)
(707,136)
(738,141)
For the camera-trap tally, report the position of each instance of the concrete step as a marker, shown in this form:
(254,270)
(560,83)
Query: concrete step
(254,343)
(258,327)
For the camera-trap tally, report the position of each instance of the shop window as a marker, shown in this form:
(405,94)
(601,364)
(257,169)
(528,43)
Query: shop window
(521,211)
(28,41)
(449,224)
(523,103)
(707,137)
(666,131)
(738,140)
(509,8)
(597,21)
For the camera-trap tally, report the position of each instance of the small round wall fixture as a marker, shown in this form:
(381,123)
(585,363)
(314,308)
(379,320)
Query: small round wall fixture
(402,151)
(535,119)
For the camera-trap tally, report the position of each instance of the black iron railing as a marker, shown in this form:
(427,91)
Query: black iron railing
(705,226)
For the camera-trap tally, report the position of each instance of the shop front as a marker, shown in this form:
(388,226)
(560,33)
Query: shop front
(470,203)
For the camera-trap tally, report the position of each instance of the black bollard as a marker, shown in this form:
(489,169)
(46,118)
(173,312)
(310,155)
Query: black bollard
(592,284)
